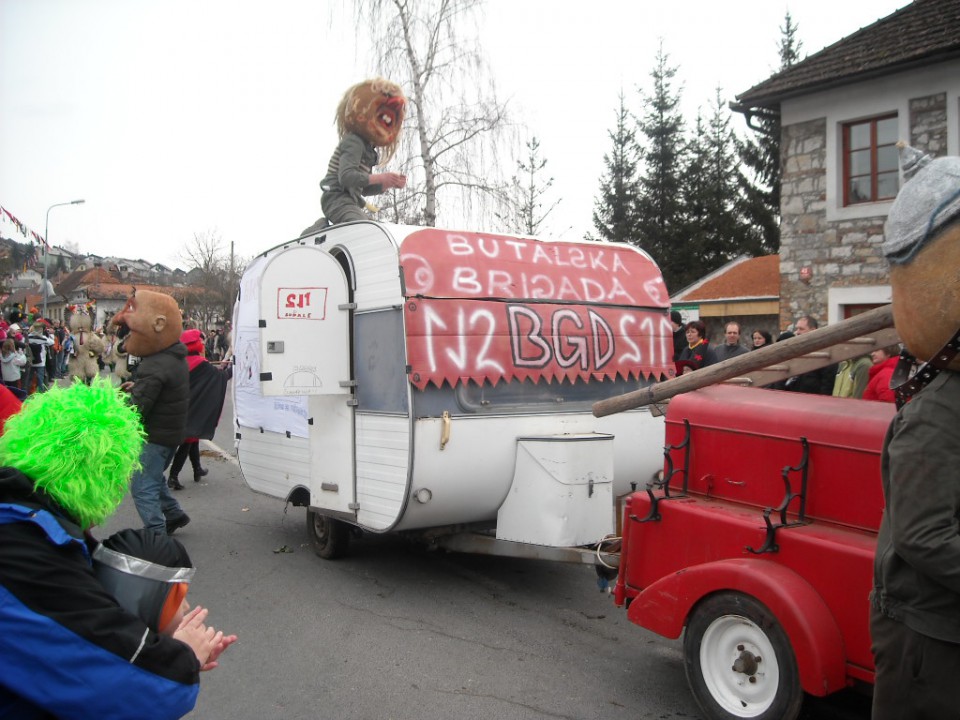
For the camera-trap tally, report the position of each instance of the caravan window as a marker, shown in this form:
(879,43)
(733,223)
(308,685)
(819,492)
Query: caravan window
(379,362)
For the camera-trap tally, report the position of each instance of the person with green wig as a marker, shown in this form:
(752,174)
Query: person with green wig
(67,648)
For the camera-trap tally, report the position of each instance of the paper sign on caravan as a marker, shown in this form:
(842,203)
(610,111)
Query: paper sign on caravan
(301,303)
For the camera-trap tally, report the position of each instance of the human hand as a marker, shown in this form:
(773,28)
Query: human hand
(201,639)
(127,386)
(398,180)
(212,663)
(188,623)
(389,180)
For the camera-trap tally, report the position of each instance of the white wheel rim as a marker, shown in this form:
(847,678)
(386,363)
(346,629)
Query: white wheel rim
(726,639)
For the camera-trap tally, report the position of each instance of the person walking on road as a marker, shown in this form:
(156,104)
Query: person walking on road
(208,387)
(160,389)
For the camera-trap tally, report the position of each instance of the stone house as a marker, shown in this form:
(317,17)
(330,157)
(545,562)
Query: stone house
(842,111)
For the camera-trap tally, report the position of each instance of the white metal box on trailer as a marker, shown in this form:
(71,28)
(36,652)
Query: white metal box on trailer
(569,480)
(407,379)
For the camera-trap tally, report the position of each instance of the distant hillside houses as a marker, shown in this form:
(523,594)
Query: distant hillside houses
(76,279)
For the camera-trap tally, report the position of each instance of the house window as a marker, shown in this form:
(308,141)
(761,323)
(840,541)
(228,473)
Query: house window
(870,168)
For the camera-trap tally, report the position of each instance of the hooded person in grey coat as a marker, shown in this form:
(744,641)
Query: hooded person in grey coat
(915,603)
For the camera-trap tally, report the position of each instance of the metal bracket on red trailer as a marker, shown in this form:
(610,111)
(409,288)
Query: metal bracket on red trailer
(770,542)
(669,472)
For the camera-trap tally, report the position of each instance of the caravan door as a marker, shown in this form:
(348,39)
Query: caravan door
(305,351)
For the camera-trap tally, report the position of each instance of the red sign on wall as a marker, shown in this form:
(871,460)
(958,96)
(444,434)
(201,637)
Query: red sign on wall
(301,303)
(491,308)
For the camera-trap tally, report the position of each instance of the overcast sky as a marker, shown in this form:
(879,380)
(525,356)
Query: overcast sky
(177,117)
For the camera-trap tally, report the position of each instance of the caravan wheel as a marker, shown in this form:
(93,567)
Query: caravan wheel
(330,538)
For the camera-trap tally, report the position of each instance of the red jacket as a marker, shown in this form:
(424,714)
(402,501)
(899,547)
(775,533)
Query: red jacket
(878,386)
(9,405)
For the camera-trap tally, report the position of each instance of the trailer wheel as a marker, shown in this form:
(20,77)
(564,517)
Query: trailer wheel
(330,538)
(739,662)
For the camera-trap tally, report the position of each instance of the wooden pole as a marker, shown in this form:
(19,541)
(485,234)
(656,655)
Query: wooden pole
(857,326)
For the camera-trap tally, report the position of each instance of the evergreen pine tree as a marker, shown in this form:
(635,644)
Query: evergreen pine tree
(525,194)
(790,44)
(696,203)
(717,230)
(615,210)
(660,216)
(762,156)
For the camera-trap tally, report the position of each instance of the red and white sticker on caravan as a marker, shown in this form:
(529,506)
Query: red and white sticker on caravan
(496,308)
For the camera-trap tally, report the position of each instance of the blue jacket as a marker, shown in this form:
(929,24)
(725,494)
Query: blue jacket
(67,649)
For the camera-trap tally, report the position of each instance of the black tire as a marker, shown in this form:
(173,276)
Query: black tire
(739,661)
(330,538)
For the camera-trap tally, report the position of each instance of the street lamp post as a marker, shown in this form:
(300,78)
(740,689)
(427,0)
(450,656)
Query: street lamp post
(46,253)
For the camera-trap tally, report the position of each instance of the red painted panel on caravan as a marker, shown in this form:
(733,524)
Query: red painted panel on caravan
(489,308)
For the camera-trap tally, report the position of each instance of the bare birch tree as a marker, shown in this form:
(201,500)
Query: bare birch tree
(454,120)
(215,275)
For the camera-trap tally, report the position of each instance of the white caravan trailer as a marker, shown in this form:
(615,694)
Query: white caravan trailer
(419,380)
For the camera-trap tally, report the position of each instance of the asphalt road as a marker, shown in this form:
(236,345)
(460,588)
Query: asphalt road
(396,632)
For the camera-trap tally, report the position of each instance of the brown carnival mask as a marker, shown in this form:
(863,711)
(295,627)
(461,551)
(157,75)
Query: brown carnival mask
(373,109)
(153,321)
(926,296)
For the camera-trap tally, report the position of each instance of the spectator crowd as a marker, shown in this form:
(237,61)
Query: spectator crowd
(867,377)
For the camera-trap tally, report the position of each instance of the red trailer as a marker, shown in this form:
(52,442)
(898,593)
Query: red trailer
(759,540)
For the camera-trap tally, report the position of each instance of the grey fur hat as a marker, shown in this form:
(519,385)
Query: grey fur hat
(928,200)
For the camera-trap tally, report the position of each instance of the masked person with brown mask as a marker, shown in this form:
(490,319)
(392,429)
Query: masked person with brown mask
(150,323)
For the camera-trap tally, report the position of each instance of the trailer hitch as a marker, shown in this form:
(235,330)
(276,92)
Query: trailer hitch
(770,541)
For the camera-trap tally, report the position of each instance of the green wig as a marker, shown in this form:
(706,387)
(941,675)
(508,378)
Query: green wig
(79,445)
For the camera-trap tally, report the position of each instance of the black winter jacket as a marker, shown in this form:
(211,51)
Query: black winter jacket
(161,392)
(208,387)
(815,382)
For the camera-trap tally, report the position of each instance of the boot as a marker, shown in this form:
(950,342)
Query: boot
(177,523)
(174,483)
(199,472)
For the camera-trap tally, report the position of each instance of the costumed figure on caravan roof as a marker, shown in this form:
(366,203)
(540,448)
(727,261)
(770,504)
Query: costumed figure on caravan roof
(369,119)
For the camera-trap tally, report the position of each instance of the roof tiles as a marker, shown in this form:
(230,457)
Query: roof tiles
(757,277)
(923,32)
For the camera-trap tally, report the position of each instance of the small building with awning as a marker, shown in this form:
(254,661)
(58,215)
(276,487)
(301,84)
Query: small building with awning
(745,290)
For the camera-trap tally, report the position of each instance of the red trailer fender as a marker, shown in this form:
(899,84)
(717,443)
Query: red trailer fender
(664,607)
